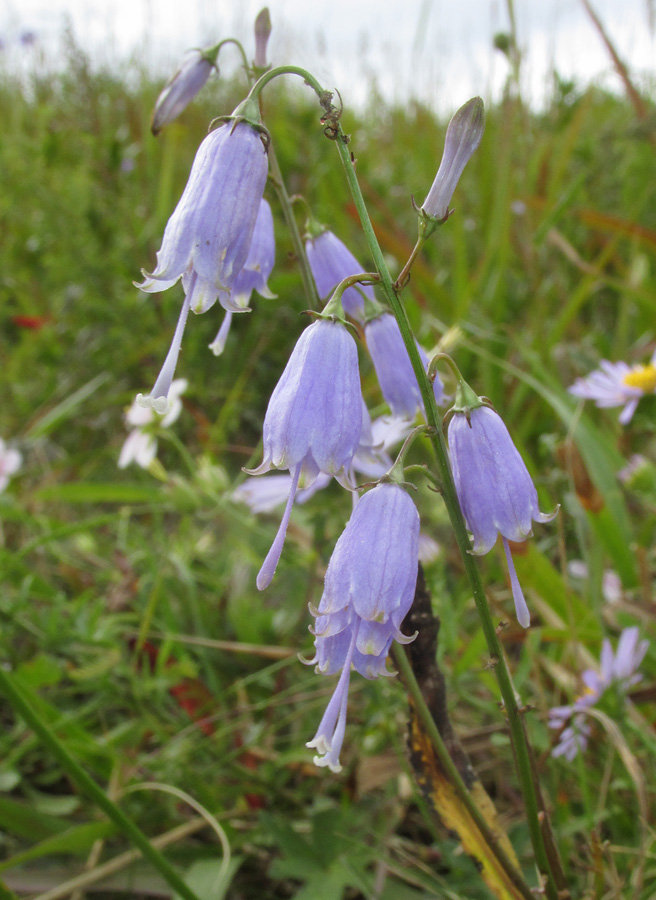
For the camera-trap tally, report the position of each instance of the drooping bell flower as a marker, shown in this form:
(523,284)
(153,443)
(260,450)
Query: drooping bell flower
(181,89)
(252,277)
(462,138)
(495,491)
(369,588)
(395,374)
(206,240)
(331,262)
(314,417)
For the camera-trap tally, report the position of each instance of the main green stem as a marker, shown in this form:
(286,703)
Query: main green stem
(89,787)
(433,417)
(546,866)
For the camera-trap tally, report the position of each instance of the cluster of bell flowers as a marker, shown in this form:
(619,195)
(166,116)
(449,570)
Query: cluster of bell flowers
(316,421)
(313,427)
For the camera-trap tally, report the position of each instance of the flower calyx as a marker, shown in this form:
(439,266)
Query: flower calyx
(466,398)
(334,308)
(249,112)
(427,223)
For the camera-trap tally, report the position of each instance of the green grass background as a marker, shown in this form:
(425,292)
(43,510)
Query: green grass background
(119,587)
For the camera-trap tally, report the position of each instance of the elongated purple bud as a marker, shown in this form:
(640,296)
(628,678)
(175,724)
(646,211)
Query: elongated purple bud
(262,34)
(181,89)
(462,138)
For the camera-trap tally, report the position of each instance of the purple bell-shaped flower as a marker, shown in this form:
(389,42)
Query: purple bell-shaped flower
(394,370)
(331,262)
(369,588)
(207,239)
(252,277)
(495,490)
(314,418)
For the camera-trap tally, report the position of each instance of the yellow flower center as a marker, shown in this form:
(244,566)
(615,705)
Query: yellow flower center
(641,377)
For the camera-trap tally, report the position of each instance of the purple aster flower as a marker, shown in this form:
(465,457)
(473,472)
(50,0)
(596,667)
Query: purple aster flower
(462,138)
(369,588)
(331,262)
(495,490)
(252,277)
(314,418)
(573,738)
(181,89)
(617,384)
(392,364)
(617,670)
(206,240)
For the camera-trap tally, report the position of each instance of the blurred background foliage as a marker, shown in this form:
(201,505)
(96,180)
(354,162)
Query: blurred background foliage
(128,610)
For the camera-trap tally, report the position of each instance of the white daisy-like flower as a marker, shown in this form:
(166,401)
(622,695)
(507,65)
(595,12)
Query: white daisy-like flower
(10,462)
(140,446)
(617,384)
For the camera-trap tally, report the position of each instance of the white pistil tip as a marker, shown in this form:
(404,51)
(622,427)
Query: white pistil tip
(159,404)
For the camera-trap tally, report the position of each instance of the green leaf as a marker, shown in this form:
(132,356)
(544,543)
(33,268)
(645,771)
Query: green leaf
(23,821)
(106,492)
(76,841)
(205,880)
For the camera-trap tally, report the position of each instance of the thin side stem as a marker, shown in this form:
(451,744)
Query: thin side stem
(428,723)
(239,47)
(309,287)
(433,417)
(89,787)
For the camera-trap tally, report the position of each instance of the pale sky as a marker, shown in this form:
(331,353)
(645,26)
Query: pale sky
(438,50)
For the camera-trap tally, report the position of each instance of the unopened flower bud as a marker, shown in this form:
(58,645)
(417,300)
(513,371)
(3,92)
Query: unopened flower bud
(181,89)
(462,137)
(262,34)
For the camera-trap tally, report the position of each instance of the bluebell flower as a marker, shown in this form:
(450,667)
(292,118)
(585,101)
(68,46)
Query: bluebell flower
(331,262)
(394,370)
(495,490)
(314,418)
(181,89)
(369,588)
(207,239)
(253,276)
(462,138)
